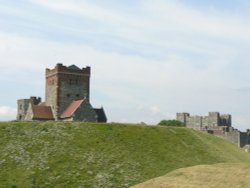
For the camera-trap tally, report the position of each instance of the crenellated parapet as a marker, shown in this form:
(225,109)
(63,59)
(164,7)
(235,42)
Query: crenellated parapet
(216,124)
(61,69)
(213,120)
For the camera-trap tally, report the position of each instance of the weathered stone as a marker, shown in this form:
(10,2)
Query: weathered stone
(214,119)
(216,124)
(23,105)
(64,86)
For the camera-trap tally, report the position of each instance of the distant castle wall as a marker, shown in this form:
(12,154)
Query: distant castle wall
(234,136)
(213,120)
(216,124)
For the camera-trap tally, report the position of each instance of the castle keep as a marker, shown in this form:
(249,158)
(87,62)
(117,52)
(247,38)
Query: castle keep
(67,97)
(216,124)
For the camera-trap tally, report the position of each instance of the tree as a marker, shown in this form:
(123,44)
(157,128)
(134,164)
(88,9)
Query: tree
(175,123)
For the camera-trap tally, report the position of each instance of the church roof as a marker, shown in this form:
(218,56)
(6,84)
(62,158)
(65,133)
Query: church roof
(101,116)
(42,113)
(73,67)
(71,109)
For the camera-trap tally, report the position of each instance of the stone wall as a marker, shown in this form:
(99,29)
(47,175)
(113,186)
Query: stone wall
(244,139)
(214,119)
(23,105)
(85,113)
(194,122)
(51,93)
(182,117)
(234,137)
(72,88)
(216,124)
(225,120)
(64,85)
(29,114)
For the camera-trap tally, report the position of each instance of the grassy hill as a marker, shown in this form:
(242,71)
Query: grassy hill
(203,176)
(68,154)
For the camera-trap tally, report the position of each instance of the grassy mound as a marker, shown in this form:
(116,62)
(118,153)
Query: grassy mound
(102,155)
(218,175)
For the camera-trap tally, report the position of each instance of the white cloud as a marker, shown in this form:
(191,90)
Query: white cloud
(156,16)
(7,113)
(161,30)
(85,9)
(155,109)
(180,17)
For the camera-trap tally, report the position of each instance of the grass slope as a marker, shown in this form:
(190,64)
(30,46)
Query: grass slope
(203,176)
(102,155)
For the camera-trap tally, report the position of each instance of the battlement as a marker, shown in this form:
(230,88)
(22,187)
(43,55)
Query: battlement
(32,100)
(60,68)
(216,124)
(212,121)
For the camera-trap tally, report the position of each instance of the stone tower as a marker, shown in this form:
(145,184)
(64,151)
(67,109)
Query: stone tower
(214,119)
(23,104)
(182,117)
(64,85)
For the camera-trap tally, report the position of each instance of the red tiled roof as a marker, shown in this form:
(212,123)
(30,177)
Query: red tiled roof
(42,113)
(71,109)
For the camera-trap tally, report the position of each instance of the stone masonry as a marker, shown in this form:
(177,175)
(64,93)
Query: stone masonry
(64,85)
(216,124)
(23,105)
(67,98)
(213,120)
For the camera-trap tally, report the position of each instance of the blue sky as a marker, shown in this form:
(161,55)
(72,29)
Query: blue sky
(149,59)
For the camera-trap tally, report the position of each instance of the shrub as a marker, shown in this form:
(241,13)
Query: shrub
(175,123)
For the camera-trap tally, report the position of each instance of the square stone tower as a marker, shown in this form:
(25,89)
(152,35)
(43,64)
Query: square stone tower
(182,117)
(64,85)
(213,119)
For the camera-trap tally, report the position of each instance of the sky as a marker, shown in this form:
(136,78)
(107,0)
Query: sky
(149,58)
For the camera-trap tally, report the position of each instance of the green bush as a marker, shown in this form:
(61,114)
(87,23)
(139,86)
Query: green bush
(175,123)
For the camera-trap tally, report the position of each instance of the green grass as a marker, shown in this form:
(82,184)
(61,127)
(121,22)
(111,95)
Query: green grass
(102,155)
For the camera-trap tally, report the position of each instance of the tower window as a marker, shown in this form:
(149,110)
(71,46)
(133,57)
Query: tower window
(20,107)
